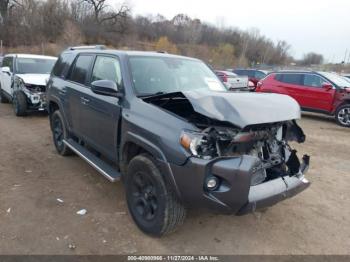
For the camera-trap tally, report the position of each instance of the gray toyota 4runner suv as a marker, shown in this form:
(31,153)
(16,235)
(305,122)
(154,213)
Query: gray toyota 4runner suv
(167,126)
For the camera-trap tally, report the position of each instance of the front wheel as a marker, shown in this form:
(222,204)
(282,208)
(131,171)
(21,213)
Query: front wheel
(151,202)
(3,99)
(342,115)
(20,104)
(59,133)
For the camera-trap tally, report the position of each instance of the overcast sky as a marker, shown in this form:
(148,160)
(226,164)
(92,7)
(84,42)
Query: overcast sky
(321,26)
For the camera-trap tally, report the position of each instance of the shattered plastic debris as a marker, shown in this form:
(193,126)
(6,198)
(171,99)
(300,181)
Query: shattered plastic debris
(71,246)
(60,200)
(8,210)
(82,212)
(28,171)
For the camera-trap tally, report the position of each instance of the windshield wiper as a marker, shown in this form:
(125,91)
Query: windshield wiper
(154,94)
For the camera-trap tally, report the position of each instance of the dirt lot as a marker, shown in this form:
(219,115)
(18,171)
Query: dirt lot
(32,221)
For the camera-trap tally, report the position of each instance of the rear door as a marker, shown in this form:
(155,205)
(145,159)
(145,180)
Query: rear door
(7,78)
(291,84)
(314,95)
(100,114)
(76,86)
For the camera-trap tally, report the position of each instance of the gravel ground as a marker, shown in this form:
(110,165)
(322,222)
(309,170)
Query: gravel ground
(33,221)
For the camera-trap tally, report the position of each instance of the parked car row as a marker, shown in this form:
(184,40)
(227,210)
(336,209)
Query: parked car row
(168,127)
(320,92)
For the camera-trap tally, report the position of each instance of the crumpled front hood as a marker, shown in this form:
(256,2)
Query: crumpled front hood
(34,79)
(244,109)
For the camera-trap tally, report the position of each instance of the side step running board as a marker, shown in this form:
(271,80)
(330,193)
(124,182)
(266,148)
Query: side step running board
(106,170)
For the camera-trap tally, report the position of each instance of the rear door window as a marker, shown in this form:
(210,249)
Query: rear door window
(81,69)
(250,73)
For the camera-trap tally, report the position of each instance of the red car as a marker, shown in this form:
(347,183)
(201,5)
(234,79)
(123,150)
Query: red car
(319,92)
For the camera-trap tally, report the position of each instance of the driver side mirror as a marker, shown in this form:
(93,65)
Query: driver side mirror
(105,88)
(6,70)
(327,86)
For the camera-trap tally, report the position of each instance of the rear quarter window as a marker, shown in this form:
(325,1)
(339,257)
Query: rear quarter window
(62,65)
(295,79)
(278,77)
(81,69)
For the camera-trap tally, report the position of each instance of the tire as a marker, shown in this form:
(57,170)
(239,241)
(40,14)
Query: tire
(3,99)
(342,115)
(59,133)
(152,203)
(20,104)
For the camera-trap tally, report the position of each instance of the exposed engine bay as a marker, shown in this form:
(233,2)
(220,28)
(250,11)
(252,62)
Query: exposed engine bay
(268,142)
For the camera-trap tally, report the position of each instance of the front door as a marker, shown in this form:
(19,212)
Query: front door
(314,95)
(100,114)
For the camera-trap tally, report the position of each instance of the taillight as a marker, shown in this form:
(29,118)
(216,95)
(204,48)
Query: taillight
(224,78)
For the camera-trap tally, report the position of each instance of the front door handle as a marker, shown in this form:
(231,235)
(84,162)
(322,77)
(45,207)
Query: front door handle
(84,100)
(63,91)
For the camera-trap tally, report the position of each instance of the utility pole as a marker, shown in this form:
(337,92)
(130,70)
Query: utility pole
(346,53)
(1,53)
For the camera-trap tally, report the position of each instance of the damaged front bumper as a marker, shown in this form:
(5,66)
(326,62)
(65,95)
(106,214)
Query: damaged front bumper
(272,192)
(235,194)
(36,101)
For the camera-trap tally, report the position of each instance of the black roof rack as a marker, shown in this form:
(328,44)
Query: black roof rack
(83,47)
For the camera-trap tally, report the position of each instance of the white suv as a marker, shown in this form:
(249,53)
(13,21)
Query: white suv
(23,81)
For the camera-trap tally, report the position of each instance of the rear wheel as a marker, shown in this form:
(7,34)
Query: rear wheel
(59,133)
(20,104)
(342,115)
(151,202)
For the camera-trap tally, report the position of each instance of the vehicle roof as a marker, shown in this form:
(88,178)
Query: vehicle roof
(128,53)
(252,69)
(295,71)
(32,56)
(225,72)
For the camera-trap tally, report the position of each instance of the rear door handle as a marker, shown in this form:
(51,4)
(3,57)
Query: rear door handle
(84,100)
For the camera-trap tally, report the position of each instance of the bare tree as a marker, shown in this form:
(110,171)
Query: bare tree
(6,6)
(104,13)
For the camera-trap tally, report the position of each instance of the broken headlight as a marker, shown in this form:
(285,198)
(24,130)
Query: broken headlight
(199,144)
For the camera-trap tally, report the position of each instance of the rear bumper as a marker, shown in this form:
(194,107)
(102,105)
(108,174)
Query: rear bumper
(235,195)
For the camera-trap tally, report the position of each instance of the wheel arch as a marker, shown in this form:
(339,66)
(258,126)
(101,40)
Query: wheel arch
(134,145)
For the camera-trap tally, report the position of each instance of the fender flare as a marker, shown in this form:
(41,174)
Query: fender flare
(56,100)
(144,143)
(157,153)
